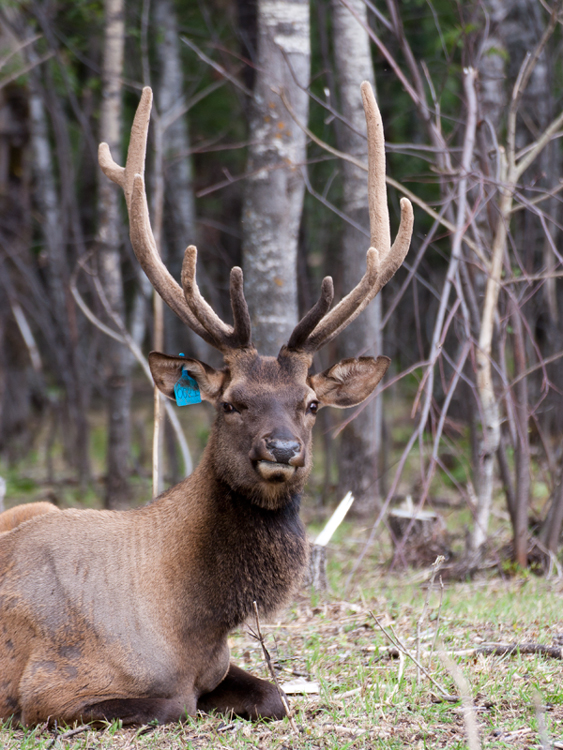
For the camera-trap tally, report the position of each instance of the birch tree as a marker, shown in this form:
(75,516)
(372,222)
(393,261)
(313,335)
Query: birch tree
(180,229)
(274,191)
(358,455)
(518,156)
(117,360)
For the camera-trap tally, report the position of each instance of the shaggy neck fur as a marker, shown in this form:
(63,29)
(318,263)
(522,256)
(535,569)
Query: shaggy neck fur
(246,552)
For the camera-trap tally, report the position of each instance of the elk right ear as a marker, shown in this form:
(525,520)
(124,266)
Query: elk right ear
(349,382)
(166,372)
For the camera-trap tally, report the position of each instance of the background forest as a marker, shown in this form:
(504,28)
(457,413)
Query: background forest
(257,155)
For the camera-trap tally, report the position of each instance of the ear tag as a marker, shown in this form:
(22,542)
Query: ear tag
(186,390)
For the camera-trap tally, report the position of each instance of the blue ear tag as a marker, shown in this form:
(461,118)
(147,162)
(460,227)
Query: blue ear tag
(186,390)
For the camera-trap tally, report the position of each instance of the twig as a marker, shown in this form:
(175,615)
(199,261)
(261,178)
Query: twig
(219,68)
(438,618)
(188,465)
(395,641)
(471,731)
(27,335)
(436,565)
(22,71)
(389,180)
(125,339)
(67,734)
(18,48)
(539,709)
(496,649)
(523,79)
(507,649)
(442,323)
(268,659)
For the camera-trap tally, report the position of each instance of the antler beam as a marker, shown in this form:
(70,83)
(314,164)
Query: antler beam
(188,304)
(383,259)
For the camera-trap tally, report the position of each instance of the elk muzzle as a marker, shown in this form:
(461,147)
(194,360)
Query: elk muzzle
(277,456)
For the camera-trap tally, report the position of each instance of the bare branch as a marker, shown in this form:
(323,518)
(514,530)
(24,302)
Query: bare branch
(272,671)
(395,641)
(124,338)
(389,180)
(26,68)
(219,68)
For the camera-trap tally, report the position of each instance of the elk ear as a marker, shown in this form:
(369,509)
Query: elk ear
(166,372)
(349,382)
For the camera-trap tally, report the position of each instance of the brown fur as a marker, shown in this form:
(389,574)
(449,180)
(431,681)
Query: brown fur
(13,517)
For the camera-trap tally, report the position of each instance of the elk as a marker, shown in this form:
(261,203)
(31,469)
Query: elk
(107,614)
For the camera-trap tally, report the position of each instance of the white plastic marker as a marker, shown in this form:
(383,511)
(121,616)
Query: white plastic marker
(300,686)
(335,520)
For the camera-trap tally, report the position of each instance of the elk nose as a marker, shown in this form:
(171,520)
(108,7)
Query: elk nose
(285,451)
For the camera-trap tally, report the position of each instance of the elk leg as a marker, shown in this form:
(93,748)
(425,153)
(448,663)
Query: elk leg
(244,695)
(137,710)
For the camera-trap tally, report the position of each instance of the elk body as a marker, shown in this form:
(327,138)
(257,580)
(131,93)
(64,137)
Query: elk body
(126,615)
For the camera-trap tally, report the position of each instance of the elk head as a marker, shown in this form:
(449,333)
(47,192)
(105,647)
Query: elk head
(261,442)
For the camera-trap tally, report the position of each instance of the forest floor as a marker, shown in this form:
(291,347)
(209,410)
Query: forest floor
(365,692)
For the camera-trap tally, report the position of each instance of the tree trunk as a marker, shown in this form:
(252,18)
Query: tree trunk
(273,197)
(358,456)
(485,385)
(551,529)
(180,227)
(54,229)
(117,359)
(522,452)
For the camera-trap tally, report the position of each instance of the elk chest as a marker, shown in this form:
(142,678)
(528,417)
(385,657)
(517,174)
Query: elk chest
(250,554)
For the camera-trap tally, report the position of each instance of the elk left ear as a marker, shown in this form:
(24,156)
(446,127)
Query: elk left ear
(349,382)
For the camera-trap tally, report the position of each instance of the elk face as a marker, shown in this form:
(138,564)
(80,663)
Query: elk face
(261,444)
(265,416)
(261,441)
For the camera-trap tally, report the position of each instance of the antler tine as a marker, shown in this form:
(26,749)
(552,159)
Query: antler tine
(241,316)
(349,307)
(130,178)
(382,260)
(136,153)
(392,256)
(380,234)
(308,323)
(224,337)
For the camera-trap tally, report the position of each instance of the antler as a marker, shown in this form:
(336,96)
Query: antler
(188,304)
(383,259)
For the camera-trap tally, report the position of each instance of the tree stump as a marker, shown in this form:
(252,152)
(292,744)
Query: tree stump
(316,572)
(427,537)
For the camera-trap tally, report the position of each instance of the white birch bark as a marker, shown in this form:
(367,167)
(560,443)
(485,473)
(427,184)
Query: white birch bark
(49,203)
(273,198)
(118,361)
(358,456)
(515,21)
(178,170)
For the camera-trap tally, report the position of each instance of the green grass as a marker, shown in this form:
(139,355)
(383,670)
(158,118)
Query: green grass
(369,698)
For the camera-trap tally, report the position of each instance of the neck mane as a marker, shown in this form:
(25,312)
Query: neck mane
(248,553)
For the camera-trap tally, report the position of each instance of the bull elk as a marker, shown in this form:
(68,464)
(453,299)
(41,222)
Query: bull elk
(125,615)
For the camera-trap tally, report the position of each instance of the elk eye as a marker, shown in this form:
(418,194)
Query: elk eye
(228,408)
(313,407)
